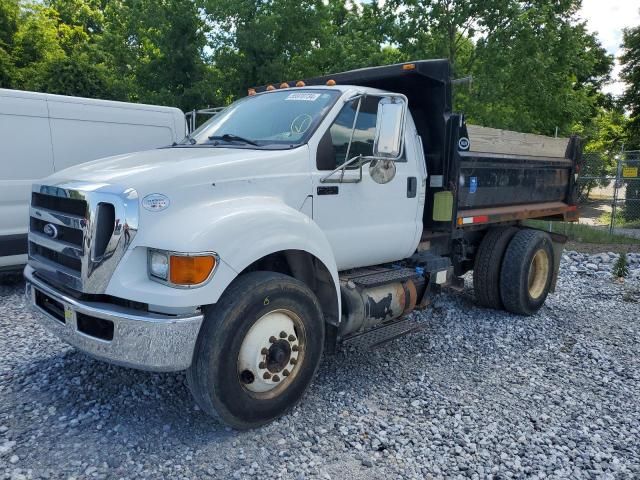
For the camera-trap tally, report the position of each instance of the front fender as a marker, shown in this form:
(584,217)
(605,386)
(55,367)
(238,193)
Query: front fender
(240,230)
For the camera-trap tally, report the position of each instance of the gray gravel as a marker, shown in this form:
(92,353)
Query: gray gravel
(478,393)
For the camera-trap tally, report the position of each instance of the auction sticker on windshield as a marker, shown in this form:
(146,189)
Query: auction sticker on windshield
(303,97)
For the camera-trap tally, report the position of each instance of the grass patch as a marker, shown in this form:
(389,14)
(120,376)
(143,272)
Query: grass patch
(578,232)
(605,219)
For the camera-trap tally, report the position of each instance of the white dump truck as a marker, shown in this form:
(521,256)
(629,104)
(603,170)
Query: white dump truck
(306,215)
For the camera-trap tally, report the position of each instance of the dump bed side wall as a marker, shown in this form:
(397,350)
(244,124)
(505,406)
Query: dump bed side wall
(497,176)
(497,180)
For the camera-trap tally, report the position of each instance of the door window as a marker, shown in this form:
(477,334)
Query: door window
(339,133)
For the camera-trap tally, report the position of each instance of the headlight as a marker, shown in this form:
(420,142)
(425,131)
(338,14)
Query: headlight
(159,264)
(181,269)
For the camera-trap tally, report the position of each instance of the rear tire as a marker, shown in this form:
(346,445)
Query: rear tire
(527,271)
(258,349)
(488,263)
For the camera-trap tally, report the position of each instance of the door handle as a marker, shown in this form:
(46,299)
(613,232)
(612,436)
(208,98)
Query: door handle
(332,190)
(412,187)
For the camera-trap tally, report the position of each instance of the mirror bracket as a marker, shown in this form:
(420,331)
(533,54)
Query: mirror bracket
(363,161)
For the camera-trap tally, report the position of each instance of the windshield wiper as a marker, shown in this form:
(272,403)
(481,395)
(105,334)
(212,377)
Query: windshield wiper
(230,137)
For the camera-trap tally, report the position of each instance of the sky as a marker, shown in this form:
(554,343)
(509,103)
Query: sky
(607,18)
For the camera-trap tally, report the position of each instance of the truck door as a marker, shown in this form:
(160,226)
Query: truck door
(366,223)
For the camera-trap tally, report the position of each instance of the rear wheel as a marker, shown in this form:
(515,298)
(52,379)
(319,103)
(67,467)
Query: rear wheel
(527,271)
(488,263)
(258,349)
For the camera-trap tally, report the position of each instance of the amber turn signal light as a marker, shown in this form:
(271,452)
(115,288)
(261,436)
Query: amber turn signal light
(184,270)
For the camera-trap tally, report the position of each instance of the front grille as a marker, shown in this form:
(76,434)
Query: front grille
(57,230)
(67,234)
(71,206)
(71,263)
(78,233)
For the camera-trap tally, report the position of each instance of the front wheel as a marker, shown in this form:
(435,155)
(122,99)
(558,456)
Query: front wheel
(258,349)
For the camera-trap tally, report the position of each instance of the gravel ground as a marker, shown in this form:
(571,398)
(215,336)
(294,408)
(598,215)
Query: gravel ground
(477,393)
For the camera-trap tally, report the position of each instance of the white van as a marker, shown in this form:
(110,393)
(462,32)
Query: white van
(42,133)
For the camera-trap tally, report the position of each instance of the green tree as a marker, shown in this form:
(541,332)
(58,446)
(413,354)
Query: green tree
(256,42)
(630,61)
(630,74)
(538,71)
(157,52)
(76,75)
(9,13)
(441,28)
(59,55)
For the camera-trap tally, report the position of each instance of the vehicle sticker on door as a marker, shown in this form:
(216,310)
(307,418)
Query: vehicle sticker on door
(473,184)
(303,97)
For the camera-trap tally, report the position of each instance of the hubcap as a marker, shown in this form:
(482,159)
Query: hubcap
(538,273)
(271,352)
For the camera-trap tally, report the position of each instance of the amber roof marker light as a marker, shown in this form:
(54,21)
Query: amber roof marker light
(270,88)
(251,92)
(300,83)
(331,82)
(284,85)
(409,66)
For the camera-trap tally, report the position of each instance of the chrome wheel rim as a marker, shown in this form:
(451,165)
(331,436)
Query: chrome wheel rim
(271,353)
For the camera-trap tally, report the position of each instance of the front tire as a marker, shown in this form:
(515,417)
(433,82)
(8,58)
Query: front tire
(258,349)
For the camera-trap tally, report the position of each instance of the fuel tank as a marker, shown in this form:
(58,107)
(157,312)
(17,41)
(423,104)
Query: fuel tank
(371,297)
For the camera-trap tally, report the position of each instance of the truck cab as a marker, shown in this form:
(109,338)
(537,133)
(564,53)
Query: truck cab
(297,218)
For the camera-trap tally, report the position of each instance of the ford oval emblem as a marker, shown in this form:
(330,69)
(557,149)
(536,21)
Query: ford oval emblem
(50,230)
(155,202)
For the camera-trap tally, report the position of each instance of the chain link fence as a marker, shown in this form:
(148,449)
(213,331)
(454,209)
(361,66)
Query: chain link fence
(609,191)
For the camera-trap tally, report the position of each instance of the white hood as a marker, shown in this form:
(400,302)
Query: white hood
(153,169)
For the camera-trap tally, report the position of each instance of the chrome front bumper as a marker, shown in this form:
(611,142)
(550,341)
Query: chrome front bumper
(137,339)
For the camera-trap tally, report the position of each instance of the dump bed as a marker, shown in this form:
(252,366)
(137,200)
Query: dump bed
(509,176)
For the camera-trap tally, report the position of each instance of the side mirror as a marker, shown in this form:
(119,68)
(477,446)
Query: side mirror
(389,139)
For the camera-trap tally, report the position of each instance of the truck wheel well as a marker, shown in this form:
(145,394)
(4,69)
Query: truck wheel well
(309,270)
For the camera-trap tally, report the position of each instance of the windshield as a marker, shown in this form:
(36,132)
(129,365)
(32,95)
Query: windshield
(278,119)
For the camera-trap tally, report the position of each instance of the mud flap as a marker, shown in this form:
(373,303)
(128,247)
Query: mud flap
(558,241)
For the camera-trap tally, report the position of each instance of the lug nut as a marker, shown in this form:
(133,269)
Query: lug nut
(266,375)
(272,339)
(293,361)
(264,351)
(283,334)
(276,378)
(292,338)
(262,365)
(295,348)
(285,373)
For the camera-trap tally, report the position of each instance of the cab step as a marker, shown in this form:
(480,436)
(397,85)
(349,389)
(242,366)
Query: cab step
(382,334)
(369,278)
